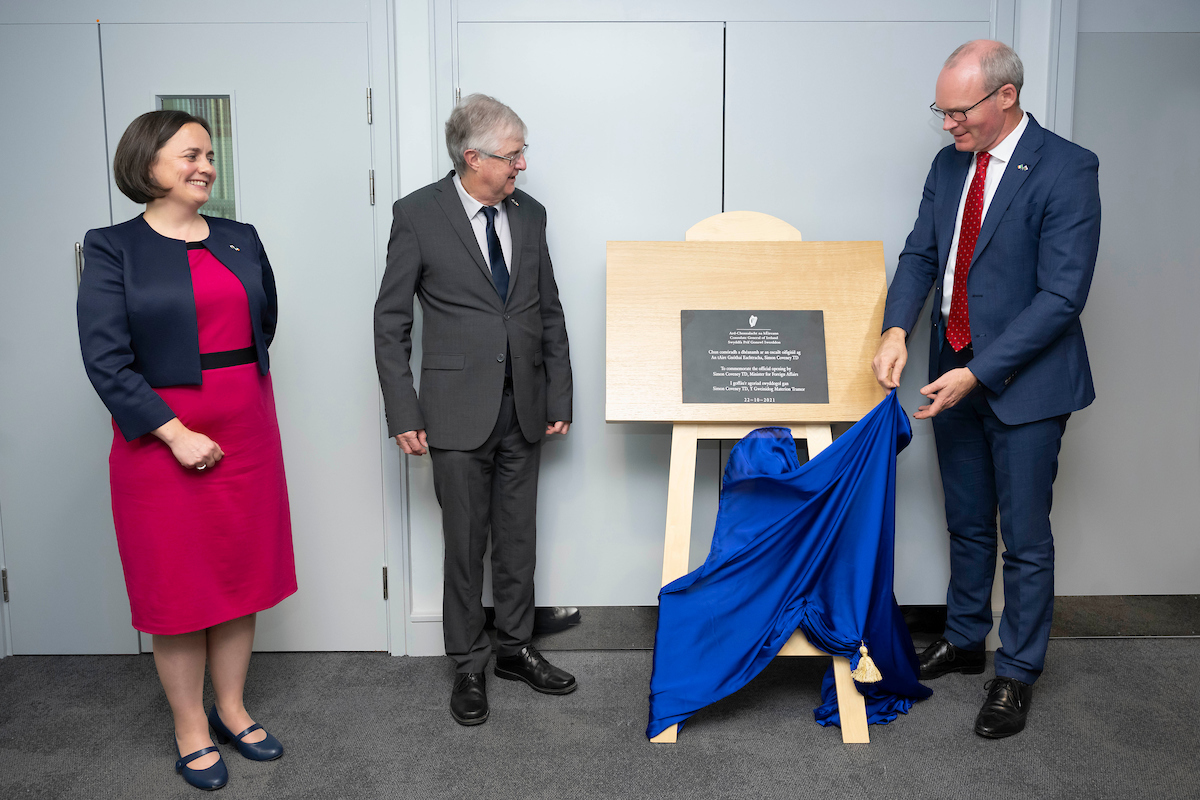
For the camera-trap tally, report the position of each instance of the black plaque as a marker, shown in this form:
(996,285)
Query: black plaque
(754,357)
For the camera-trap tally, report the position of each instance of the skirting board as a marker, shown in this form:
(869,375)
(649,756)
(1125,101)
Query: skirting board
(1099,616)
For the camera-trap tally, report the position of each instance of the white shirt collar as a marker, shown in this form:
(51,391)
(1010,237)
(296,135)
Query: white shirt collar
(1004,150)
(470,204)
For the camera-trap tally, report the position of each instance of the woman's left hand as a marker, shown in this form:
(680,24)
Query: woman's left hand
(193,450)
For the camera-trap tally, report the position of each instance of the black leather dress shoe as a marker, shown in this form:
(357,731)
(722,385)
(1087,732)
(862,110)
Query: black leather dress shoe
(552,619)
(546,619)
(532,667)
(1005,709)
(468,700)
(942,657)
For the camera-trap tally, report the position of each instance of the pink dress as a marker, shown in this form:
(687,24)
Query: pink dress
(201,547)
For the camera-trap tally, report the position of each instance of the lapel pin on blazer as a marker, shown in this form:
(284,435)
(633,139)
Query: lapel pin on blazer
(514,202)
(231,247)
(1023,167)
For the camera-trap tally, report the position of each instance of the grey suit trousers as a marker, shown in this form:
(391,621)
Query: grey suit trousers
(492,488)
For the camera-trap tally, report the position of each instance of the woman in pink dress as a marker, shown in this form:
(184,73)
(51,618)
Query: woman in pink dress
(176,311)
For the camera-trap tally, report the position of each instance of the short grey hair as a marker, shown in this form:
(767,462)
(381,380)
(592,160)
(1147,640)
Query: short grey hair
(479,122)
(998,62)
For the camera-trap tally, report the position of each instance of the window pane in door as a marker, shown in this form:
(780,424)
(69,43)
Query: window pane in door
(215,110)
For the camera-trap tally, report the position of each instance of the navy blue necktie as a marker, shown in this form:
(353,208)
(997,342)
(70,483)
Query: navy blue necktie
(496,255)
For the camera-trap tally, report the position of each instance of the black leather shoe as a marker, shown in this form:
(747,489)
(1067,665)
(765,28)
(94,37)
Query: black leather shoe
(553,619)
(531,667)
(268,749)
(546,619)
(468,700)
(942,657)
(210,778)
(1005,709)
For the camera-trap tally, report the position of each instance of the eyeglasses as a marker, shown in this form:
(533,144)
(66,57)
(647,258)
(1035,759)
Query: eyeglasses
(512,159)
(958,116)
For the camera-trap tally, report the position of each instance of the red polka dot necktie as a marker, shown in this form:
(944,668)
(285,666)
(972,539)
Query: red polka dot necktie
(958,326)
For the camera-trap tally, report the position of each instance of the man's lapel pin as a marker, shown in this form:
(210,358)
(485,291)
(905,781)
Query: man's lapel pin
(1024,167)
(231,247)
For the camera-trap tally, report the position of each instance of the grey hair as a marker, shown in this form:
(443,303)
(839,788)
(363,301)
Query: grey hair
(998,62)
(479,122)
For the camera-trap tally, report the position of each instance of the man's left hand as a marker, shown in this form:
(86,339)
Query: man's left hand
(946,391)
(557,427)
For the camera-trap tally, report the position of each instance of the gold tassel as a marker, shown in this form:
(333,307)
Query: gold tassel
(866,671)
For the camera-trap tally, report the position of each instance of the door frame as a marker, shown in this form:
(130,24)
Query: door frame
(5,638)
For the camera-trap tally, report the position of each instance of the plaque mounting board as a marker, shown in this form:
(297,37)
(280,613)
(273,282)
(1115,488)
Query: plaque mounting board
(650,283)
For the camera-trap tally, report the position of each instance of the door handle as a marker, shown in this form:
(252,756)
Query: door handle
(78,263)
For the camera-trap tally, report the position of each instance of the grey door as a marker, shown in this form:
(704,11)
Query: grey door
(67,594)
(624,143)
(302,155)
(850,173)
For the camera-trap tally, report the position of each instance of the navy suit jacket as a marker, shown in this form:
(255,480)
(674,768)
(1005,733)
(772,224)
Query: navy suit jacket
(137,313)
(1029,278)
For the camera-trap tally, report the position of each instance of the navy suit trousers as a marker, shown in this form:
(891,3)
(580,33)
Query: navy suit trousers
(987,466)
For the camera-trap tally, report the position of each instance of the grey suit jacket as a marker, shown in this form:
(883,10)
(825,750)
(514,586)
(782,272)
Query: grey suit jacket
(466,329)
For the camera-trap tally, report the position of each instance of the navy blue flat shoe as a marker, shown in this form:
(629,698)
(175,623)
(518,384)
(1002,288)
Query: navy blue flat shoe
(268,749)
(209,779)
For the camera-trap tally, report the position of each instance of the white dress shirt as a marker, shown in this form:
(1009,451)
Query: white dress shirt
(1001,155)
(479,224)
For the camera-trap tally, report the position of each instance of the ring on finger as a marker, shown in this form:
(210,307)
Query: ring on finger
(202,466)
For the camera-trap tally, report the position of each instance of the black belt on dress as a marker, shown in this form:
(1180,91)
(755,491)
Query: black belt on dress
(229,358)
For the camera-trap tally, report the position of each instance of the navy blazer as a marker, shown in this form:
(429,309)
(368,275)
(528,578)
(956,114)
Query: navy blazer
(137,313)
(1029,278)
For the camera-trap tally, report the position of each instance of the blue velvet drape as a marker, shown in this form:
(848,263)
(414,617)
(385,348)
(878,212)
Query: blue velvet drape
(795,546)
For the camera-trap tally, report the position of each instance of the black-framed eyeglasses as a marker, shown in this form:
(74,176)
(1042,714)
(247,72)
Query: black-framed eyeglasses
(958,116)
(512,159)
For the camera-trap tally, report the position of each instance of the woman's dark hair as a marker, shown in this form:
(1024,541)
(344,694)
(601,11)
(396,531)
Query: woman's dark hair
(139,147)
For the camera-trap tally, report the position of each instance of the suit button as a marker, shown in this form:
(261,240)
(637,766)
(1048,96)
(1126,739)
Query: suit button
(500,358)
(506,316)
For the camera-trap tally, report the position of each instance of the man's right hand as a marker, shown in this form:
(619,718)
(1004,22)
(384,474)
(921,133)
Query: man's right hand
(413,442)
(890,358)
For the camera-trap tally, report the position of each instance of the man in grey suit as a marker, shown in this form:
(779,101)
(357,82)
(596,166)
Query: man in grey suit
(495,380)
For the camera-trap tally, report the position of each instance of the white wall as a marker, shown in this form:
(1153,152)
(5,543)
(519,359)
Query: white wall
(803,80)
(1124,517)
(1114,536)
(828,128)
(626,572)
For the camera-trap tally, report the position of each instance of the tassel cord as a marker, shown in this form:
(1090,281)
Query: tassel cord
(866,671)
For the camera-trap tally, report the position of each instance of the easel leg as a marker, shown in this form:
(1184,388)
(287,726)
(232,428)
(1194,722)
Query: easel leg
(668,736)
(852,707)
(681,486)
(816,437)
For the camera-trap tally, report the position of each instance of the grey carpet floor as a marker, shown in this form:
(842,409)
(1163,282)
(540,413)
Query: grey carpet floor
(1110,719)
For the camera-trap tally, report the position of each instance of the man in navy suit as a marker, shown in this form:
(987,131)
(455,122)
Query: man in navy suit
(1006,238)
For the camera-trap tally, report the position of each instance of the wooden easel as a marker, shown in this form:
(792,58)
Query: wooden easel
(654,395)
